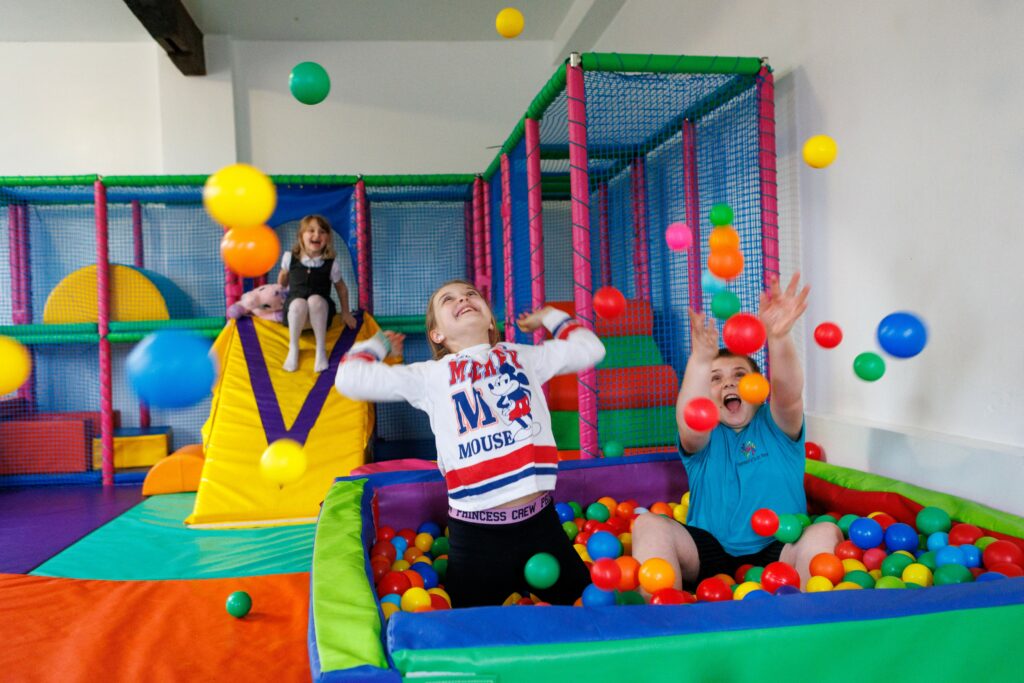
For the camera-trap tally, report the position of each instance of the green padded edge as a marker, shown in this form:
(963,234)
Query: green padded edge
(55,330)
(836,651)
(399,180)
(670,64)
(213,322)
(344,607)
(633,428)
(73,338)
(410,324)
(132,337)
(958,508)
(630,352)
(47,180)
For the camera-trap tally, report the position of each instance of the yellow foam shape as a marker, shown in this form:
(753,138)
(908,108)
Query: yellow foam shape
(232,493)
(133,296)
(137,450)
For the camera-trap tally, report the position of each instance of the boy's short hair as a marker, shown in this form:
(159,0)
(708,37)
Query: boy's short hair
(726,353)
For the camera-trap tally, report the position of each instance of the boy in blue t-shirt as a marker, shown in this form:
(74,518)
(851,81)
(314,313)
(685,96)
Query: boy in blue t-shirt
(754,457)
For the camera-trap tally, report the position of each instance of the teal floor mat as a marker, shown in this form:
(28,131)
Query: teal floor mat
(151,542)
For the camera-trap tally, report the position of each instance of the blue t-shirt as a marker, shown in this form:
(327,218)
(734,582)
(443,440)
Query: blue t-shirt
(737,473)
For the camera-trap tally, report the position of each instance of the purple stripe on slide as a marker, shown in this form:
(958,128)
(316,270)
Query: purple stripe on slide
(263,388)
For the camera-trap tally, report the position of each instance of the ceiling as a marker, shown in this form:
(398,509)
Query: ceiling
(292,20)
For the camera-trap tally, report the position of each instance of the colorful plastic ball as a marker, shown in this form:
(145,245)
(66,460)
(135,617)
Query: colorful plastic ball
(753,574)
(1002,552)
(679,237)
(932,519)
(571,530)
(509,22)
(852,565)
(250,252)
(778,574)
(753,388)
(393,598)
(400,544)
(440,546)
(726,264)
(725,305)
(902,335)
(609,303)
(415,599)
(629,568)
(819,151)
(284,462)
(764,522)
(598,512)
(745,589)
(629,598)
(889,583)
(431,528)
(845,521)
(869,366)
(437,602)
(542,571)
(565,512)
(238,604)
(713,589)
(787,590)
(613,449)
(964,534)
(813,451)
(424,541)
(990,576)
(724,238)
(744,334)
(828,566)
(861,578)
(927,559)
(790,528)
(240,196)
(1007,569)
(429,574)
(917,573)
(900,536)
(441,567)
(720,214)
(309,83)
(848,586)
(828,335)
(940,539)
(671,596)
(15,365)
(604,545)
(171,369)
(950,554)
(866,533)
(972,556)
(819,584)
(576,508)
(873,558)
(596,597)
(656,574)
(848,550)
(388,609)
(949,574)
(700,414)
(740,572)
(710,284)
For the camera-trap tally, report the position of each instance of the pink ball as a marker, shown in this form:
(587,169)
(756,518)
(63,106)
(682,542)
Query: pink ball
(679,237)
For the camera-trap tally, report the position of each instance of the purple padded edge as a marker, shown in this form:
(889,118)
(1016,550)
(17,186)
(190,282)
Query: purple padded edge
(36,523)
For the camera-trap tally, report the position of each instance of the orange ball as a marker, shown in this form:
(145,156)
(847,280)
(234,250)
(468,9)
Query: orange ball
(656,574)
(629,577)
(250,252)
(660,508)
(415,578)
(726,264)
(724,238)
(609,503)
(829,566)
(754,388)
(624,510)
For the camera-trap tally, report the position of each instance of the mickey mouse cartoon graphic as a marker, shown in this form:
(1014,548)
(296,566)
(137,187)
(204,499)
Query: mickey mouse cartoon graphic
(509,385)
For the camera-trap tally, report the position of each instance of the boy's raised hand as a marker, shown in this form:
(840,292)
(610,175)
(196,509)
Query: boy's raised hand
(781,309)
(703,337)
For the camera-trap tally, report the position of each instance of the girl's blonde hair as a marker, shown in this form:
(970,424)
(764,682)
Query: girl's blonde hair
(305,224)
(439,350)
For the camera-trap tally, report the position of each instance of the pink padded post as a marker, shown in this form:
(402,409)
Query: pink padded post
(488,258)
(641,256)
(693,271)
(506,239)
(363,247)
(535,209)
(103,320)
(139,261)
(468,239)
(766,164)
(21,283)
(479,238)
(602,222)
(579,186)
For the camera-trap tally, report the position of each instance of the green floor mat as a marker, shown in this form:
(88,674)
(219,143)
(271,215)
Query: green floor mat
(151,542)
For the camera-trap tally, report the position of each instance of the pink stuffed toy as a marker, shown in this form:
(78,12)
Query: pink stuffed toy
(265,302)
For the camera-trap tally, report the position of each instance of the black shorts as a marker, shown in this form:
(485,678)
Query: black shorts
(715,560)
(486,561)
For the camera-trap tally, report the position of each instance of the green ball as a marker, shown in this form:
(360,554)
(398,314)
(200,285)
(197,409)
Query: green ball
(541,571)
(825,519)
(861,578)
(629,598)
(931,520)
(440,546)
(721,214)
(790,528)
(912,586)
(598,511)
(928,560)
(889,582)
(984,542)
(949,574)
(894,565)
(571,530)
(441,567)
(725,305)
(753,574)
(869,366)
(238,604)
(577,510)
(309,83)
(613,449)
(805,521)
(844,523)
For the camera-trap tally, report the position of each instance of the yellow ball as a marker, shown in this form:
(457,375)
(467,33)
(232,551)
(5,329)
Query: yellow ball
(283,463)
(685,500)
(876,574)
(819,151)
(848,586)
(919,574)
(852,565)
(240,196)
(679,513)
(442,592)
(626,539)
(15,364)
(423,559)
(744,588)
(423,541)
(818,584)
(509,22)
(581,550)
(415,599)
(389,608)
(400,565)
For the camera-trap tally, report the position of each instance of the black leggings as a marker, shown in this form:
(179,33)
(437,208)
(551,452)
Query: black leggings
(486,561)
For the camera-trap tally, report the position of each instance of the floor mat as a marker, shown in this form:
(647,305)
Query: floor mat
(150,542)
(71,630)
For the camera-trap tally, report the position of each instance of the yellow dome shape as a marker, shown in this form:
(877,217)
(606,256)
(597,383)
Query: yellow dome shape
(133,296)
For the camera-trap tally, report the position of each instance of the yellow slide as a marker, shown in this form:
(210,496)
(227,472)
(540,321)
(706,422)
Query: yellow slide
(255,402)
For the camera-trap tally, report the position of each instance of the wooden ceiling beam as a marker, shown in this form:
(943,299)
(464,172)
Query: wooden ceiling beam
(172,28)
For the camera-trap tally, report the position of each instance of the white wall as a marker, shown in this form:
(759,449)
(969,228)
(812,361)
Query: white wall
(921,211)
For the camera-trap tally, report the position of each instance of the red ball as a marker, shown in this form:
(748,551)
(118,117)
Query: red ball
(386,549)
(813,451)
(1002,552)
(672,596)
(886,520)
(764,522)
(609,302)
(743,334)
(778,574)
(380,566)
(701,414)
(393,582)
(713,590)
(828,335)
(964,534)
(846,550)
(605,573)
(1007,569)
(438,602)
(741,572)
(873,557)
(409,535)
(385,533)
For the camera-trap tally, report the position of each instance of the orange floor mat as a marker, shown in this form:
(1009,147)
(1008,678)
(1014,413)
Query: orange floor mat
(74,630)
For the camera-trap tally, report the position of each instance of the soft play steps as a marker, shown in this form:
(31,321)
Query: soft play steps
(643,386)
(630,428)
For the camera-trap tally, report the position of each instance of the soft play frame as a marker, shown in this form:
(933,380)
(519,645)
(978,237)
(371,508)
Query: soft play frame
(832,634)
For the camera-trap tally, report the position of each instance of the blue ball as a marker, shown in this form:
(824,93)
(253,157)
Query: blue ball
(950,554)
(596,597)
(786,589)
(972,555)
(757,594)
(990,576)
(900,536)
(940,539)
(171,369)
(866,533)
(710,284)
(401,545)
(902,335)
(429,528)
(565,512)
(430,578)
(603,544)
(393,598)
